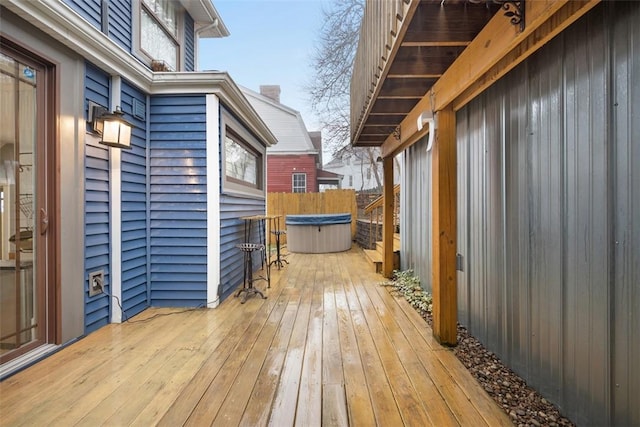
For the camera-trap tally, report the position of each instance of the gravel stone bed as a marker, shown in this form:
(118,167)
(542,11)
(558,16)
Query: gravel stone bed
(524,405)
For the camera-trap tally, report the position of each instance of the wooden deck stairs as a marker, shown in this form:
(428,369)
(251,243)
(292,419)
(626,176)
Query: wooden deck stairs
(375,255)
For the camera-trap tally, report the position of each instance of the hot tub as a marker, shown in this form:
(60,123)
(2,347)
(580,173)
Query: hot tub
(318,234)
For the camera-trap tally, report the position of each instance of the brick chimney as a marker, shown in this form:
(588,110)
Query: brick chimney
(271,91)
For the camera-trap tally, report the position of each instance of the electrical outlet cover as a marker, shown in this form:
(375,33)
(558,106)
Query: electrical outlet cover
(96,282)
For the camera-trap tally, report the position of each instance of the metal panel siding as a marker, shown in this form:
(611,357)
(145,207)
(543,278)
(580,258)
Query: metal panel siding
(134,209)
(626,217)
(189,44)
(415,222)
(548,208)
(232,207)
(121,23)
(90,10)
(178,222)
(96,196)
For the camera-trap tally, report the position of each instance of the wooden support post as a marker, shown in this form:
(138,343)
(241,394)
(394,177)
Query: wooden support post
(387,214)
(444,175)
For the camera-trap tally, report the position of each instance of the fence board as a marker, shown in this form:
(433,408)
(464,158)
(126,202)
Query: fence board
(327,202)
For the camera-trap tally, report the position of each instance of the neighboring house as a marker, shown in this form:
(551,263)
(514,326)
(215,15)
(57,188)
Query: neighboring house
(154,225)
(294,164)
(522,214)
(359,168)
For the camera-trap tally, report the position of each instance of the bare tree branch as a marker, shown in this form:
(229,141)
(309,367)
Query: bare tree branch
(329,87)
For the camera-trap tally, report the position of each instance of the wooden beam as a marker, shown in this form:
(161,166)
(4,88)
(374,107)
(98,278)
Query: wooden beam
(493,44)
(387,214)
(435,44)
(444,238)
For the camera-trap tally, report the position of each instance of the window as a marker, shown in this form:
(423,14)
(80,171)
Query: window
(350,180)
(159,29)
(242,159)
(241,162)
(299,183)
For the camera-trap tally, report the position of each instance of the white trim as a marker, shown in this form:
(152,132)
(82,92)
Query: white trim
(115,193)
(213,200)
(65,25)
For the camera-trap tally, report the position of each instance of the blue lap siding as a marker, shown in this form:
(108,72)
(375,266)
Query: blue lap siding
(232,208)
(96,220)
(178,201)
(189,44)
(134,188)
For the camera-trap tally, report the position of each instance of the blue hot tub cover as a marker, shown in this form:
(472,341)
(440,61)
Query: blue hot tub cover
(319,219)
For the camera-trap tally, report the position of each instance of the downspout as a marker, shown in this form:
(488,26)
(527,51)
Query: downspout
(196,43)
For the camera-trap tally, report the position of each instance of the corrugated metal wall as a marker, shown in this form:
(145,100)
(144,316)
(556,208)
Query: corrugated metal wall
(134,205)
(97,230)
(178,198)
(549,218)
(415,206)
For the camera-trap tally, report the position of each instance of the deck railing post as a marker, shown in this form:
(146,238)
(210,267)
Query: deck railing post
(387,221)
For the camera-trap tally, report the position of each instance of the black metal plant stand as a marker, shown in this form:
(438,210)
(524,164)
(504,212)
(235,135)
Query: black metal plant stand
(279,258)
(247,288)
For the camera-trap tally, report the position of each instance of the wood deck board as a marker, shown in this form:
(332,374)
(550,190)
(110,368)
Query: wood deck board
(329,346)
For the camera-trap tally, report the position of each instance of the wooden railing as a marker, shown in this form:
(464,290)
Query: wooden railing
(380,27)
(375,212)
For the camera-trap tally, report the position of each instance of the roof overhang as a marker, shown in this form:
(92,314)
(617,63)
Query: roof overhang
(66,26)
(207,19)
(442,55)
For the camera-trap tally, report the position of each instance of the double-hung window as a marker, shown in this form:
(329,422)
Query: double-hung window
(159,31)
(299,183)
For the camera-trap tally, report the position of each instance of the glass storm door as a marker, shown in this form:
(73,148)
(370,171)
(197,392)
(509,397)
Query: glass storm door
(23,210)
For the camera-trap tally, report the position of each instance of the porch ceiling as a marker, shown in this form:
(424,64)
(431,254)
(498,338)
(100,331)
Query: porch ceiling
(436,34)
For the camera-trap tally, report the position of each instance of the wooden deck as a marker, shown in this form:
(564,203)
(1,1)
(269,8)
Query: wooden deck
(328,347)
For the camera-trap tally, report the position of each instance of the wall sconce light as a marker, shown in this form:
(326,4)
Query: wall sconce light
(114,129)
(423,119)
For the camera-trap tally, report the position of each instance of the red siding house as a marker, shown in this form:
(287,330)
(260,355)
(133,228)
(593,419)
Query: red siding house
(293,164)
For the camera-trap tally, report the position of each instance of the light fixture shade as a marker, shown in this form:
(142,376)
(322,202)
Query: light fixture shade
(116,132)
(114,129)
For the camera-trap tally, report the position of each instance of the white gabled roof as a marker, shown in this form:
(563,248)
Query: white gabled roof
(285,123)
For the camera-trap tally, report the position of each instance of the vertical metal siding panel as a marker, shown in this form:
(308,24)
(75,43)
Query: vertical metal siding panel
(134,209)
(626,211)
(96,220)
(477,223)
(416,240)
(121,23)
(517,220)
(90,10)
(587,226)
(189,44)
(494,221)
(462,141)
(178,201)
(546,221)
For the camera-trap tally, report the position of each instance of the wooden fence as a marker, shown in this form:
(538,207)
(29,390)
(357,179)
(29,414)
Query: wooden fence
(328,202)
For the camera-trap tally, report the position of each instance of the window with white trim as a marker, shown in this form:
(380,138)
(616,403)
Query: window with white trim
(159,30)
(243,159)
(299,183)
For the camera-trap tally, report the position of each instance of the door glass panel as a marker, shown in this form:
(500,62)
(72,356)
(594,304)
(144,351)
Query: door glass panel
(18,133)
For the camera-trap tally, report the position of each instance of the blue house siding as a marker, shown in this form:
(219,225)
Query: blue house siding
(189,44)
(134,207)
(232,231)
(96,220)
(178,201)
(120,23)
(91,10)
